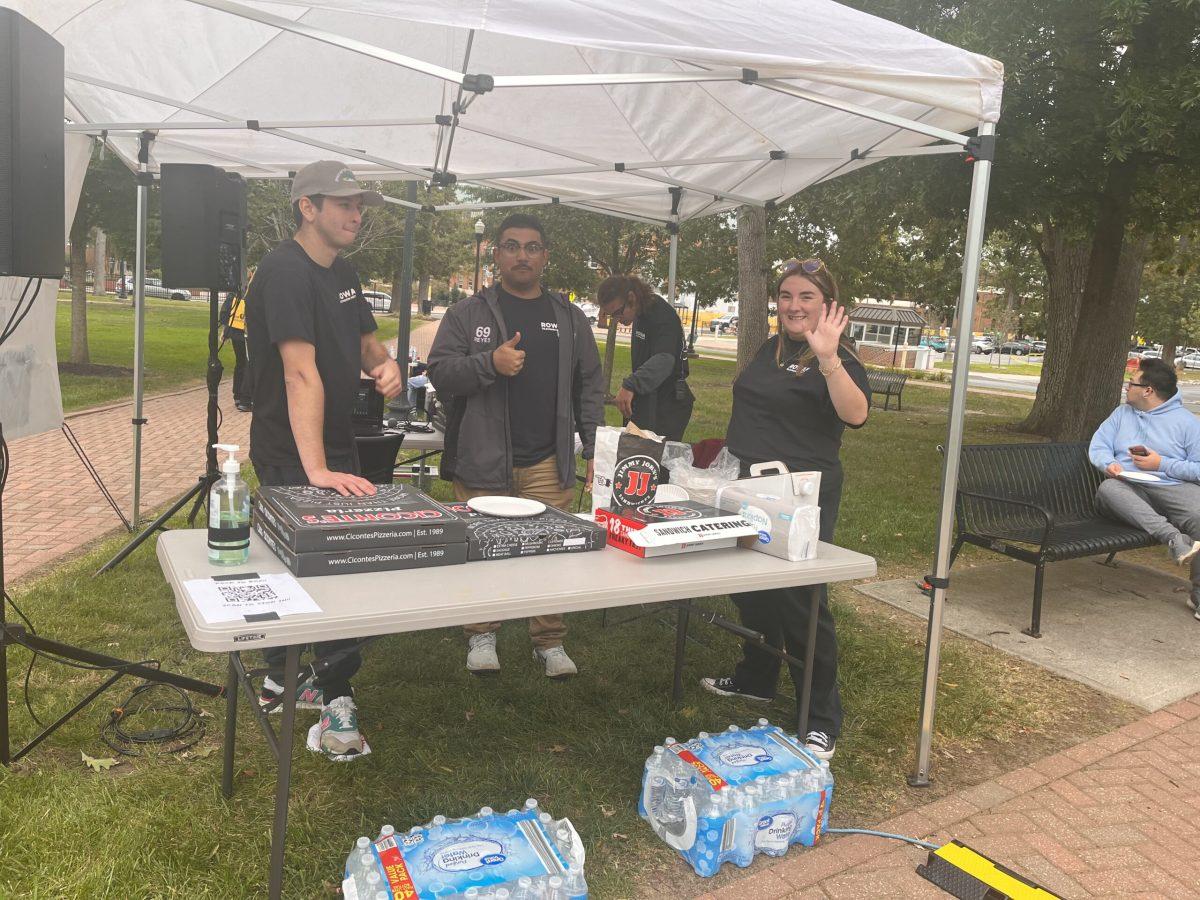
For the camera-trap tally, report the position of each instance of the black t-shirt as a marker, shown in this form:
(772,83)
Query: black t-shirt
(657,330)
(294,298)
(532,392)
(785,413)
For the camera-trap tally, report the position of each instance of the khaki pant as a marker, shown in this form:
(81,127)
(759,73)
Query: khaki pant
(536,482)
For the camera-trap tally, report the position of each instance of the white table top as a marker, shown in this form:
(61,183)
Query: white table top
(415,599)
(415,440)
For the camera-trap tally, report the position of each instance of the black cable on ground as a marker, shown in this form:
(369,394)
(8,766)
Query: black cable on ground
(884,834)
(182,729)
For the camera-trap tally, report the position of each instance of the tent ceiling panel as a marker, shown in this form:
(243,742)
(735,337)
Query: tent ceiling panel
(247,70)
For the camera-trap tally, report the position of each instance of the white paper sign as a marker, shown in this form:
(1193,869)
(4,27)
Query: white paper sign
(250,598)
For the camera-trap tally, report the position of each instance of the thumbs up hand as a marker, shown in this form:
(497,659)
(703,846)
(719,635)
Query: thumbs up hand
(507,359)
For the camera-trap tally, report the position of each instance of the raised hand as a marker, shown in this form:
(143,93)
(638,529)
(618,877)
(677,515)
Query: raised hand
(507,359)
(824,336)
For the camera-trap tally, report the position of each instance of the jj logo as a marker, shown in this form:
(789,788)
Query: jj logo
(636,480)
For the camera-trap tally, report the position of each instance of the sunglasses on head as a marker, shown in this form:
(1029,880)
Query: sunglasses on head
(807,266)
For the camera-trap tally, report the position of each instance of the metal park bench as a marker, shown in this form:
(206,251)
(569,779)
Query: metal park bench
(1036,503)
(890,384)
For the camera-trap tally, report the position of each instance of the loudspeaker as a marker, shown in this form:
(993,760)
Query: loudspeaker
(203,226)
(32,229)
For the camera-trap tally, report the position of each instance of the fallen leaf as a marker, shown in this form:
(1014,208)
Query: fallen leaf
(608,811)
(248,773)
(470,714)
(203,713)
(97,765)
(559,748)
(620,837)
(202,753)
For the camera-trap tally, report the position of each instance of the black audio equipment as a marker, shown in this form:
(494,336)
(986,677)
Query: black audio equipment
(32,230)
(203,226)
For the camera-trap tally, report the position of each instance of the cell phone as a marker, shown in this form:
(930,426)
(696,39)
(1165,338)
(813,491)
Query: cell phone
(1139,450)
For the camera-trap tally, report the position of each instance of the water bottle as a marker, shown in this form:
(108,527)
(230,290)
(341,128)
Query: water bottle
(352,861)
(386,831)
(525,889)
(576,884)
(229,514)
(555,889)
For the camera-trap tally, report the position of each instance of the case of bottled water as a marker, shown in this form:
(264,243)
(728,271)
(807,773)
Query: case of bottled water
(725,797)
(523,854)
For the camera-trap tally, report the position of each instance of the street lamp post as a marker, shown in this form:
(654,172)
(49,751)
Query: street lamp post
(479,228)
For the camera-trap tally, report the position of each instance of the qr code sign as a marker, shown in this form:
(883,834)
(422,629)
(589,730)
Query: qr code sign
(246,593)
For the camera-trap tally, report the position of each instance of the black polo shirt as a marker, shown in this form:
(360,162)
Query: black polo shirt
(784,412)
(294,298)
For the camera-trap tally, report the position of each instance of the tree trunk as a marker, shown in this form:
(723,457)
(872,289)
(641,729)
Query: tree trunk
(397,281)
(1065,260)
(79,336)
(100,265)
(610,355)
(423,293)
(752,283)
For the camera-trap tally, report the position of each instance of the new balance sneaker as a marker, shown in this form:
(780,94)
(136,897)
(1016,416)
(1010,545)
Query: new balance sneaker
(558,664)
(481,654)
(339,734)
(727,687)
(820,744)
(308,695)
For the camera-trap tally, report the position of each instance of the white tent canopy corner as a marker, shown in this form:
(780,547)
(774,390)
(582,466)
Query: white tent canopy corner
(661,112)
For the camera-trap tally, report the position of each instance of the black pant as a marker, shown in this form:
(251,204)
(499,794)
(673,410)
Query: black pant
(336,681)
(241,367)
(781,615)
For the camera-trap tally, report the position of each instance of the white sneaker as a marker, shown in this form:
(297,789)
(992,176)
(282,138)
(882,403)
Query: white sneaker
(339,734)
(820,744)
(481,654)
(558,664)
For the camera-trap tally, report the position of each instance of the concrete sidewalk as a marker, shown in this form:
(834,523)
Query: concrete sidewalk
(1116,816)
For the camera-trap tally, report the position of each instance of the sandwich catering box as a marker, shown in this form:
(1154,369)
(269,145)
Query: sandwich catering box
(662,529)
(552,531)
(317,520)
(359,559)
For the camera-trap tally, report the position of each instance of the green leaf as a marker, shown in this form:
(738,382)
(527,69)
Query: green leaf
(98,765)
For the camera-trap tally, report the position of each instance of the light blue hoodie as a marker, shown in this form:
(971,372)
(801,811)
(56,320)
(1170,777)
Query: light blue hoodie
(1169,430)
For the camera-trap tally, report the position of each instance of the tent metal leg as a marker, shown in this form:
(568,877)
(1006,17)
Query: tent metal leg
(683,612)
(283,778)
(972,250)
(144,180)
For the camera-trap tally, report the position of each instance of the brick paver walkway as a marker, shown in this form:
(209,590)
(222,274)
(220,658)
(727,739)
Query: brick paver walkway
(51,505)
(1116,816)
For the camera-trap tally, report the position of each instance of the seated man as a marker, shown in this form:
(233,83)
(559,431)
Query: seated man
(1153,433)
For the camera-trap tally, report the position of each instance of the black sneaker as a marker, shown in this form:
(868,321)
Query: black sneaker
(243,405)
(727,687)
(820,745)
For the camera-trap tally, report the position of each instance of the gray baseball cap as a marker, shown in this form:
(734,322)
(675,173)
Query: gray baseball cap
(331,178)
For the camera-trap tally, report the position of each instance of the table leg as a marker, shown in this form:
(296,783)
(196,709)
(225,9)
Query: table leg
(810,653)
(283,779)
(232,690)
(683,612)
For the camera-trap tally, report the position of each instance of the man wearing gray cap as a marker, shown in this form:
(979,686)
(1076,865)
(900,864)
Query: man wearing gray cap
(309,332)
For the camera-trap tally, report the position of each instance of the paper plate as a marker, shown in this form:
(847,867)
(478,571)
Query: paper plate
(506,507)
(1139,475)
(671,493)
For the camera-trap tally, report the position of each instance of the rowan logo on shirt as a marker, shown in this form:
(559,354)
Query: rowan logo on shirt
(483,334)
(347,295)
(796,369)
(550,326)
(640,334)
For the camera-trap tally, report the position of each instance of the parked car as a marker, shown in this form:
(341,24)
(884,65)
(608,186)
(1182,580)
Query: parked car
(154,288)
(380,301)
(723,323)
(1039,346)
(591,310)
(1016,348)
(1188,361)
(985,344)
(1151,354)
(937,343)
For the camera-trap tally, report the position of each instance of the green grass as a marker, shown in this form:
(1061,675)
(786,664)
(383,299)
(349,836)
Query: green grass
(1014,368)
(176,349)
(447,742)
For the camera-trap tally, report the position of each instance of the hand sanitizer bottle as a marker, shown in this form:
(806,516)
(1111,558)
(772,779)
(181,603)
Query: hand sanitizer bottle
(229,514)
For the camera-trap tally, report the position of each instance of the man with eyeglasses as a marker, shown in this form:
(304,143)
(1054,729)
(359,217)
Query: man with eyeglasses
(519,373)
(1150,450)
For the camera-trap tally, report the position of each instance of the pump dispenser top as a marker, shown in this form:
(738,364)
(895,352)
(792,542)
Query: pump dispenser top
(230,466)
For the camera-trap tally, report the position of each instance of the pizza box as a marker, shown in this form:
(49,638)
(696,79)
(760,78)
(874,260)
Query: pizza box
(309,519)
(662,529)
(361,559)
(551,531)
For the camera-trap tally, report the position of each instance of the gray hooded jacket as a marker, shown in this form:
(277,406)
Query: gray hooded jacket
(478,443)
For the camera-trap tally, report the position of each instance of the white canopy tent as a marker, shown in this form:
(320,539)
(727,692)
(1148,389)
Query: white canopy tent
(659,111)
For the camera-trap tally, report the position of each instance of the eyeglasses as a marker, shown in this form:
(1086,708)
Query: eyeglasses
(807,266)
(512,248)
(1133,383)
(613,313)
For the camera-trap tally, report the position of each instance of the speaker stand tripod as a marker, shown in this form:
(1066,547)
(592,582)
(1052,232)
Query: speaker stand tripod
(199,491)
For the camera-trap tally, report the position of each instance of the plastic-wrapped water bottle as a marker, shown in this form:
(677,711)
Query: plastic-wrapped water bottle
(361,846)
(727,796)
